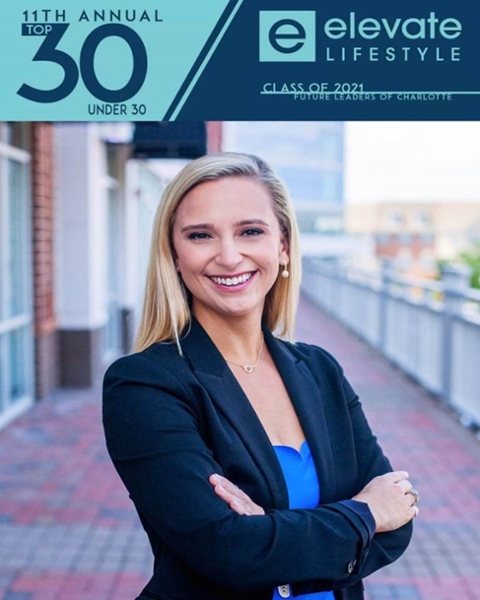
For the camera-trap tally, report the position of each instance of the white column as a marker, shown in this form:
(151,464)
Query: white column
(81,249)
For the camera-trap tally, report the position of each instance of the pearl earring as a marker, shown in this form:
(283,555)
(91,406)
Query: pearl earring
(285,272)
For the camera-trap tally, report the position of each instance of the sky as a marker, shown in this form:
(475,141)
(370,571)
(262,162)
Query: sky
(412,161)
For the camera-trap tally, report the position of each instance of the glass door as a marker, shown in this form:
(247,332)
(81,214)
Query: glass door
(16,323)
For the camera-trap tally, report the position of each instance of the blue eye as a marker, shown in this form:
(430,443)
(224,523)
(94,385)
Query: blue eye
(252,232)
(198,235)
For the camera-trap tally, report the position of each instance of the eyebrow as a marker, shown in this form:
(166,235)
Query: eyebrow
(209,226)
(252,222)
(197,226)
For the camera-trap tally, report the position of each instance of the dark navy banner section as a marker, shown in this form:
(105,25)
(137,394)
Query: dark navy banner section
(240,60)
(369,60)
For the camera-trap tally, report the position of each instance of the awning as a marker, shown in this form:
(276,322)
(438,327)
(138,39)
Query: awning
(161,139)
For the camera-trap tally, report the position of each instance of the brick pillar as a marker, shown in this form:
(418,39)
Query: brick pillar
(214,136)
(46,343)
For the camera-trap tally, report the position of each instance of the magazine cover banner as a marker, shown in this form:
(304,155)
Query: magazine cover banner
(240,59)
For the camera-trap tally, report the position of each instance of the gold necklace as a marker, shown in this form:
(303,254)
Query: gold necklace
(249,368)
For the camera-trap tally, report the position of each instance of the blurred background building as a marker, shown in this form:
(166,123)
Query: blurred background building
(364,192)
(77,203)
(415,235)
(76,210)
(414,189)
(310,159)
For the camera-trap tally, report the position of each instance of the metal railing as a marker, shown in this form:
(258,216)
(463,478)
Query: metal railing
(430,329)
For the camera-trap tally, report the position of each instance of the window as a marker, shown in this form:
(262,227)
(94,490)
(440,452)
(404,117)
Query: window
(395,219)
(16,334)
(422,218)
(113,333)
(383,238)
(427,238)
(151,185)
(331,146)
(331,187)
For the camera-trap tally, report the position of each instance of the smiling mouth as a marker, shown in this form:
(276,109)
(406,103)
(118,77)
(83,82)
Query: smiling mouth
(232,281)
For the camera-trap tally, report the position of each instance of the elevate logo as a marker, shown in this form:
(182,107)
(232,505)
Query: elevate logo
(287,36)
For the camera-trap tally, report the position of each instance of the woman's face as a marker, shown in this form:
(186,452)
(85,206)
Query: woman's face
(228,246)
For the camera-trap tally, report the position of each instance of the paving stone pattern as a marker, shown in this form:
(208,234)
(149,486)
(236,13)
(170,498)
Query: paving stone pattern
(69,532)
(420,435)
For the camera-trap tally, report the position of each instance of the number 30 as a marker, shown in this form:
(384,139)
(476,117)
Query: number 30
(49,52)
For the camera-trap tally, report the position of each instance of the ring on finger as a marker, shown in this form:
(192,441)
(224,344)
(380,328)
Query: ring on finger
(415,494)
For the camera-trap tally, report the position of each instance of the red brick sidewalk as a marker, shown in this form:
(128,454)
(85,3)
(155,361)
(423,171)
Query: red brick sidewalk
(419,435)
(69,532)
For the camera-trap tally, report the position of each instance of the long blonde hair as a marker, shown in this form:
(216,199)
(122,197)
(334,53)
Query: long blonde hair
(166,310)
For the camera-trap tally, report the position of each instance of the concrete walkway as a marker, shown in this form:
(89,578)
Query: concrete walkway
(69,532)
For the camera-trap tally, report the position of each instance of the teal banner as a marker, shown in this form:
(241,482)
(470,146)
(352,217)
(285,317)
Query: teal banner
(123,61)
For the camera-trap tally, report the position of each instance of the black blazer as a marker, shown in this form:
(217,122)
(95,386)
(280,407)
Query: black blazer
(172,421)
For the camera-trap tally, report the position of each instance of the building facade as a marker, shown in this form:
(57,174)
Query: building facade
(416,235)
(76,213)
(17,279)
(309,156)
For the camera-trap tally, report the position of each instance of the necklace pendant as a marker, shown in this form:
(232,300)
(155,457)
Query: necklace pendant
(248,368)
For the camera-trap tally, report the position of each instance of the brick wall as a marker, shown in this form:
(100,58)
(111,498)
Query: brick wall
(214,136)
(46,343)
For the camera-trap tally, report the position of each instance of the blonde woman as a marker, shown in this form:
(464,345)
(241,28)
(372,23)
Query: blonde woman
(248,457)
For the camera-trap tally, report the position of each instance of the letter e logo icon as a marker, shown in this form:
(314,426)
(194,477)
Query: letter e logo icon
(287,36)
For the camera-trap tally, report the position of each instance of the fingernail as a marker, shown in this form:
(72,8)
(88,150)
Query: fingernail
(216,478)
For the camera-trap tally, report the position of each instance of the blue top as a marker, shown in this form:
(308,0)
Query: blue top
(303,492)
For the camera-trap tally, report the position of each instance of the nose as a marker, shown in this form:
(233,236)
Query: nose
(228,255)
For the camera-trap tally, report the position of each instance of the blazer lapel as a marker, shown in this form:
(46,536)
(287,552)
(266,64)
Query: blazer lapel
(309,406)
(214,374)
(212,371)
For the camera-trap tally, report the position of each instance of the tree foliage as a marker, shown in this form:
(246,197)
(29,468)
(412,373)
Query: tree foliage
(471,258)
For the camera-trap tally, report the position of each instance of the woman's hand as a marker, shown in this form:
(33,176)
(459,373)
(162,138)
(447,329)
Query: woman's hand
(235,498)
(388,497)
(390,501)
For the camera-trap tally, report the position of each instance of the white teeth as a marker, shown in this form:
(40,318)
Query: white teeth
(231,281)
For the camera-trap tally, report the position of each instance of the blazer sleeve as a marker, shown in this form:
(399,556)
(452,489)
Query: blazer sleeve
(388,546)
(153,433)
(385,547)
